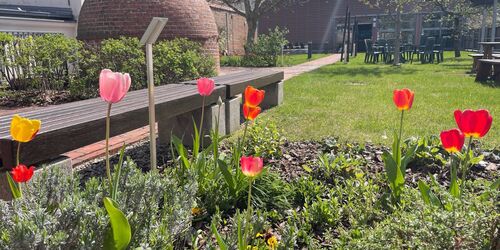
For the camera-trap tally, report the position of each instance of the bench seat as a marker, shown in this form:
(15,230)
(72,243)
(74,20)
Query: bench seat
(73,125)
(484,69)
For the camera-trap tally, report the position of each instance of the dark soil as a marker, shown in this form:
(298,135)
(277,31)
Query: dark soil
(298,156)
(26,98)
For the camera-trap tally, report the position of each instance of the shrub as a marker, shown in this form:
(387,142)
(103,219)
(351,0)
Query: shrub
(179,60)
(265,52)
(124,55)
(57,213)
(55,62)
(41,62)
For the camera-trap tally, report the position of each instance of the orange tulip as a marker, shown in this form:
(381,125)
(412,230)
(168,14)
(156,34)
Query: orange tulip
(403,98)
(253,96)
(250,113)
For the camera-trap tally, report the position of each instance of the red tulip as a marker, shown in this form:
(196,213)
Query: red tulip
(403,98)
(250,113)
(21,173)
(452,140)
(113,86)
(253,96)
(251,166)
(205,86)
(474,123)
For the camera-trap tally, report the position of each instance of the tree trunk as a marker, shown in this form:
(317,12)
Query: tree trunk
(397,40)
(456,36)
(251,32)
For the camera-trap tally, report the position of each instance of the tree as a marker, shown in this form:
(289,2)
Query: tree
(252,10)
(458,12)
(395,8)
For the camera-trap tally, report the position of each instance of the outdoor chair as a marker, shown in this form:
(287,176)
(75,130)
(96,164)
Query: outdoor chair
(371,55)
(427,55)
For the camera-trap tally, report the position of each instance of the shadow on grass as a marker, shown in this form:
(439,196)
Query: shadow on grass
(373,70)
(489,83)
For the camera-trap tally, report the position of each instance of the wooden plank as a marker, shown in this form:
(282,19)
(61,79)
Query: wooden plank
(53,118)
(68,135)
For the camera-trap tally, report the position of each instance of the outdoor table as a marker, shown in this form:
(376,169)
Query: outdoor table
(488,49)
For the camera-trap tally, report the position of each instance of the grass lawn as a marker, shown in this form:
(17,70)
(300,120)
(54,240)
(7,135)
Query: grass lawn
(354,101)
(291,60)
(288,60)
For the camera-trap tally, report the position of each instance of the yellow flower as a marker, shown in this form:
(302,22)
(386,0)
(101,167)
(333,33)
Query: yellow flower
(259,235)
(272,242)
(195,211)
(23,129)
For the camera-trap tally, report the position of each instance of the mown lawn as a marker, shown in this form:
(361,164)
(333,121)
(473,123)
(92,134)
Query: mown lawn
(288,60)
(354,101)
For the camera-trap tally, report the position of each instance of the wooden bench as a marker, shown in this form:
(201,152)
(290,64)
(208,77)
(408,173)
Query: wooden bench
(484,69)
(267,79)
(73,125)
(476,57)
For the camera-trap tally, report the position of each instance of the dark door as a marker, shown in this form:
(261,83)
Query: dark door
(364,32)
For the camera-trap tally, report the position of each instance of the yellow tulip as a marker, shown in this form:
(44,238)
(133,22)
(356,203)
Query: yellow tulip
(23,129)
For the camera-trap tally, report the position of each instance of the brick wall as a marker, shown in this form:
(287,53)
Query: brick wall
(192,19)
(232,29)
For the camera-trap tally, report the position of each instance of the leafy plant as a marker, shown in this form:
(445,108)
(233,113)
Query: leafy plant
(265,52)
(264,140)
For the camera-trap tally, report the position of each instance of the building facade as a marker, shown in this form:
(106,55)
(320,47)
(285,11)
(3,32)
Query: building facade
(31,17)
(322,22)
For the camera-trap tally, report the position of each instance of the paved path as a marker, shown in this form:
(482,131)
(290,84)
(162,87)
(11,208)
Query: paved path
(96,150)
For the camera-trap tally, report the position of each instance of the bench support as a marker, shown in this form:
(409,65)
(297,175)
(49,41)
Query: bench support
(274,95)
(181,126)
(233,114)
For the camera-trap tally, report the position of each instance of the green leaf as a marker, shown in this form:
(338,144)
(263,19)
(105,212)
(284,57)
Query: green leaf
(394,175)
(410,153)
(228,177)
(396,149)
(14,187)
(427,195)
(181,150)
(222,244)
(454,187)
(196,140)
(119,235)
(118,171)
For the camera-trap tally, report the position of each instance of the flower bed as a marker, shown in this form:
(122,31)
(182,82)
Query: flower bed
(262,192)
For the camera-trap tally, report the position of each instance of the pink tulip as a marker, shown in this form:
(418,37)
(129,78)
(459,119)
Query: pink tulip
(205,86)
(113,86)
(251,166)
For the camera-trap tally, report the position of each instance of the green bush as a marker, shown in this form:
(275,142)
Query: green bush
(41,62)
(267,49)
(179,60)
(55,62)
(56,212)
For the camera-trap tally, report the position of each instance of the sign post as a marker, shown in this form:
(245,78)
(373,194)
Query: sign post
(150,36)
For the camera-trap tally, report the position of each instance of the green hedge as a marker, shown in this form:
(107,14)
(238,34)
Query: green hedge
(55,62)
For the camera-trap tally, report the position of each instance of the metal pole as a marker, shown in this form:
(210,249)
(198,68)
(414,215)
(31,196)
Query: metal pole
(343,36)
(483,28)
(152,120)
(494,23)
(348,37)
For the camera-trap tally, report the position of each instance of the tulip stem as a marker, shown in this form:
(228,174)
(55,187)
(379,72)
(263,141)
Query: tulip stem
(201,122)
(466,160)
(401,127)
(108,167)
(244,133)
(249,209)
(18,153)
